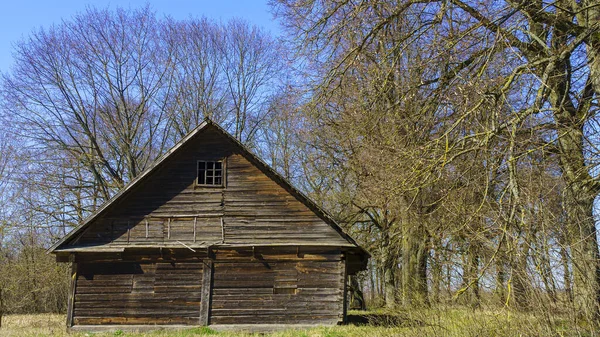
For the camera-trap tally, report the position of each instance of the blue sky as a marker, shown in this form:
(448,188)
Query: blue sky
(19,17)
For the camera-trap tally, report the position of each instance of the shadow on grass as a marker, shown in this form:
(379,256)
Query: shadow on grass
(383,320)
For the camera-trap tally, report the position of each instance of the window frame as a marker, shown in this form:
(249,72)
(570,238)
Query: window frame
(223,170)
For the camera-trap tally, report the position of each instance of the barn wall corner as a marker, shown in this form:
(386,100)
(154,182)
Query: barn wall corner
(71,297)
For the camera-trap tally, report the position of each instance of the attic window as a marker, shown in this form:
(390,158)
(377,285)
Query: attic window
(210,173)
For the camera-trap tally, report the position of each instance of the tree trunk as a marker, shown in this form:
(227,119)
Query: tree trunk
(436,269)
(374,289)
(389,277)
(414,266)
(471,278)
(500,280)
(1,307)
(584,249)
(579,197)
(357,299)
(519,278)
(564,260)
(545,270)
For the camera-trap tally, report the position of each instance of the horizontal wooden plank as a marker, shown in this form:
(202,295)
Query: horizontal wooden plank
(277,319)
(166,297)
(82,320)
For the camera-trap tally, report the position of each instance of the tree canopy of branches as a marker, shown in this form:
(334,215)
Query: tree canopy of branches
(97,98)
(467,125)
(457,140)
(92,101)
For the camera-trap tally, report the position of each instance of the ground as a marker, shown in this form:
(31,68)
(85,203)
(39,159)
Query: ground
(447,322)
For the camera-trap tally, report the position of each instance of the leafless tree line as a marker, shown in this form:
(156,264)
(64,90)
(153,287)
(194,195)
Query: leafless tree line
(459,140)
(456,140)
(91,102)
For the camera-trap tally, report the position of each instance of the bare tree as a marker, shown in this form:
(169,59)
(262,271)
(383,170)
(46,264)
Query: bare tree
(93,100)
(199,88)
(508,79)
(86,88)
(251,65)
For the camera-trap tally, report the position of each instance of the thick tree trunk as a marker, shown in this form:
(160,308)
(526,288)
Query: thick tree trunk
(357,298)
(579,197)
(584,249)
(581,188)
(414,266)
(389,260)
(389,281)
(581,193)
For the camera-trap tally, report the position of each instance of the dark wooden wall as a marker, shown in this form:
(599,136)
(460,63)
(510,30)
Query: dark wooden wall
(156,280)
(277,289)
(251,209)
(137,293)
(247,286)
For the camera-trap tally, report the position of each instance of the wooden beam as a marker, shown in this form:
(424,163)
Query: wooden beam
(71,298)
(199,215)
(222,231)
(168,228)
(345,297)
(195,219)
(207,283)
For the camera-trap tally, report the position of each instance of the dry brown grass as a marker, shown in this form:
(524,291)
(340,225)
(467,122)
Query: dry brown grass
(450,322)
(33,325)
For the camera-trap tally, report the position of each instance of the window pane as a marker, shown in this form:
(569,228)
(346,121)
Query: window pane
(210,173)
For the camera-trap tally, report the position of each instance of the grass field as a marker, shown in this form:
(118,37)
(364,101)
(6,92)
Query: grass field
(449,322)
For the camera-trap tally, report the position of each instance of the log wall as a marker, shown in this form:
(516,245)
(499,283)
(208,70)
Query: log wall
(270,289)
(235,286)
(251,207)
(137,293)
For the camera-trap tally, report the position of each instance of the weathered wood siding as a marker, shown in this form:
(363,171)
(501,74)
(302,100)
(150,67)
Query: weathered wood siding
(277,289)
(257,210)
(137,293)
(167,251)
(168,206)
(262,286)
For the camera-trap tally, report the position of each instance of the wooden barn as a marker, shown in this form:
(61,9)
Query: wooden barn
(209,235)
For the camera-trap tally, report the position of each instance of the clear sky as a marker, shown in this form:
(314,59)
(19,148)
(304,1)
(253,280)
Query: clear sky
(19,17)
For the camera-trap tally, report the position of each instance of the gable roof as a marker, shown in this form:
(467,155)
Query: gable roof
(244,151)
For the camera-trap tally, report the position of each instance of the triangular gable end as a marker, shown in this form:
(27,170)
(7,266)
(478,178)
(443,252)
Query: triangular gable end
(256,206)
